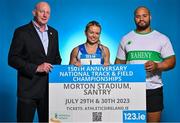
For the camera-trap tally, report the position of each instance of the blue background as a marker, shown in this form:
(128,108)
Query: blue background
(70,17)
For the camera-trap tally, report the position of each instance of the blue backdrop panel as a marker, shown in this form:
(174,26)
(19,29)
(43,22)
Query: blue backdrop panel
(70,17)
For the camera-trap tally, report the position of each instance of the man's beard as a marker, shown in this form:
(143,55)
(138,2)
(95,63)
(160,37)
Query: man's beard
(142,27)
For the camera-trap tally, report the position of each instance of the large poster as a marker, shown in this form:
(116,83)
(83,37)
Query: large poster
(94,93)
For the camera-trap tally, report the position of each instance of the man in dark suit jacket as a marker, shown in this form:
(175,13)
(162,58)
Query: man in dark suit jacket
(33,51)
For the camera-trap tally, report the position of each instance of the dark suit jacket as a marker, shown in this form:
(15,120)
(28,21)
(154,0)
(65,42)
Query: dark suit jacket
(26,53)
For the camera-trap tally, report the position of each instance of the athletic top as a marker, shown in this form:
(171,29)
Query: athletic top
(90,59)
(138,48)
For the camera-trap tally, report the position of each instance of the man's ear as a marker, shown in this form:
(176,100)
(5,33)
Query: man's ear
(34,12)
(150,18)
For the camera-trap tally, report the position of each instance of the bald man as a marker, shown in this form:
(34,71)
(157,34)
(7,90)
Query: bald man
(33,51)
(153,49)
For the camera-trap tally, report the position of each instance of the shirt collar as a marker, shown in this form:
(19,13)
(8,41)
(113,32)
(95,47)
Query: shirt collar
(37,26)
